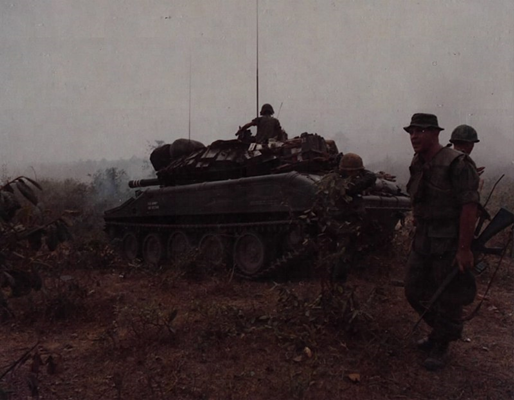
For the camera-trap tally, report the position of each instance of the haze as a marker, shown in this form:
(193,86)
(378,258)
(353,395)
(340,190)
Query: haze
(105,79)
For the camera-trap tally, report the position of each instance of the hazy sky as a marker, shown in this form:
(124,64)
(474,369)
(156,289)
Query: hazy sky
(103,78)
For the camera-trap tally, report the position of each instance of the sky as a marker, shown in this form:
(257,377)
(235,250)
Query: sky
(104,79)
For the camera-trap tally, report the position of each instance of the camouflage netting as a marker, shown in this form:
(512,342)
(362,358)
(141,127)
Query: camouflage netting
(232,159)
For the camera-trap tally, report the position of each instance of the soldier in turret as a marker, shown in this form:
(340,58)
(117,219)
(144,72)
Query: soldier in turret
(268,127)
(444,193)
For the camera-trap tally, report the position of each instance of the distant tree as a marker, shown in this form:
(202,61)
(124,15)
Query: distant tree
(110,184)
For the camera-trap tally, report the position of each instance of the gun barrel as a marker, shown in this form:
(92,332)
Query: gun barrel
(143,183)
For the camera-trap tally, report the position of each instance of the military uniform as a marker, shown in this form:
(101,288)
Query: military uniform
(361,182)
(438,189)
(355,180)
(360,179)
(267,127)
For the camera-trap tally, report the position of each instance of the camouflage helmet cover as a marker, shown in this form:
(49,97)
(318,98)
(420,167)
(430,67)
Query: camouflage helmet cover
(464,133)
(267,109)
(351,162)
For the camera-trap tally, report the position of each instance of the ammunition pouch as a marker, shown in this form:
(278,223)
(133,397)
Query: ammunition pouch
(436,237)
(430,187)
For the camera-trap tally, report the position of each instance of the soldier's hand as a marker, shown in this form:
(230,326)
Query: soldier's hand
(389,177)
(464,259)
(386,176)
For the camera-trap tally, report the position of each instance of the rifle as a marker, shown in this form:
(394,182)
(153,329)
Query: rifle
(484,215)
(502,220)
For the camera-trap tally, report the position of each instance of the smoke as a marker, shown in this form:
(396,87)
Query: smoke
(99,80)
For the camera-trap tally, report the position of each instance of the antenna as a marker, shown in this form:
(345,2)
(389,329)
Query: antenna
(257,58)
(280,108)
(189,128)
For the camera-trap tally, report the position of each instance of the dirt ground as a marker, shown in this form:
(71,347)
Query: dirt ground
(117,331)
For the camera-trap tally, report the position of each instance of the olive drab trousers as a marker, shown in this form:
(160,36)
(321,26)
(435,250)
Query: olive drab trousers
(425,275)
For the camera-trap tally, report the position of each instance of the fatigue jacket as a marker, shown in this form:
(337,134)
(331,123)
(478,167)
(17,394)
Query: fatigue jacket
(267,127)
(438,189)
(361,182)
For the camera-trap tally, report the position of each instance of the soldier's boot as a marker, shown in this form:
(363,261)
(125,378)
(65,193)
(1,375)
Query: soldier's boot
(437,357)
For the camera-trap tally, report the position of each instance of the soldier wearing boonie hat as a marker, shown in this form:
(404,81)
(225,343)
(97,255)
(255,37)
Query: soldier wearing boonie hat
(443,188)
(423,121)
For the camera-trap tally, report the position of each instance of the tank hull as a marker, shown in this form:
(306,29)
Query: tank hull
(255,223)
(280,193)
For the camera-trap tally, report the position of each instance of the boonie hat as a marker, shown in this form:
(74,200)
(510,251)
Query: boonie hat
(421,120)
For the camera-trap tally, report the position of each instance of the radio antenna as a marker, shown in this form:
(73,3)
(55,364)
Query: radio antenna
(189,128)
(257,50)
(280,108)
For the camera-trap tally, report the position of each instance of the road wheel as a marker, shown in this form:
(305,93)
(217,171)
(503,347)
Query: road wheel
(130,246)
(213,249)
(250,253)
(178,246)
(293,239)
(112,232)
(153,250)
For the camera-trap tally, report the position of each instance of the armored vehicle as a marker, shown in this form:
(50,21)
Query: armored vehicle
(238,203)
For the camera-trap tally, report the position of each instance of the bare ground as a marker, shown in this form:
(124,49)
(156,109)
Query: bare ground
(110,333)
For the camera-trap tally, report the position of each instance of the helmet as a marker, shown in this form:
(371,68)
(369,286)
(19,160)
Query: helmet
(464,133)
(267,109)
(351,162)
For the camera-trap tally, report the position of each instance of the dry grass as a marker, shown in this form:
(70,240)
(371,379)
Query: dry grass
(122,331)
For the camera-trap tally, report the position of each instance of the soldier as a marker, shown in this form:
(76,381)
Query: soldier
(358,181)
(351,166)
(267,126)
(443,188)
(463,139)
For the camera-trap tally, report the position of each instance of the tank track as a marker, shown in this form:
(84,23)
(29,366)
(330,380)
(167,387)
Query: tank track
(279,264)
